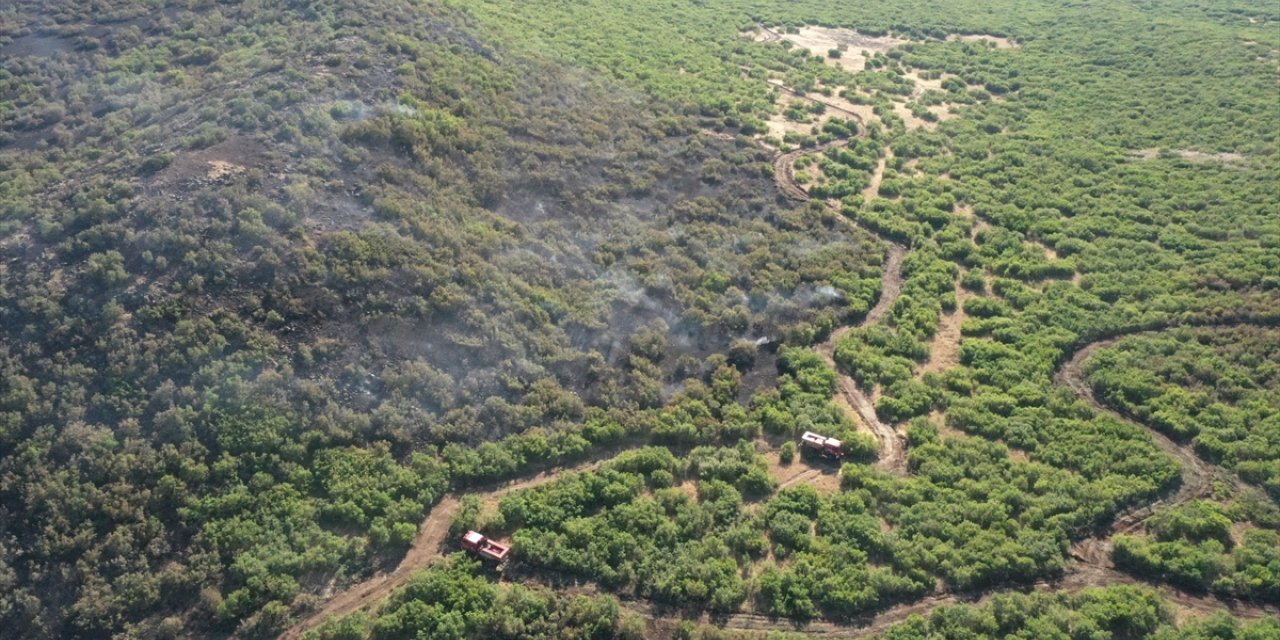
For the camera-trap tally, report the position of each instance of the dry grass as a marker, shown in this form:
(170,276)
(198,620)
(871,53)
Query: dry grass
(822,476)
(821,40)
(944,349)
(778,124)
(1001,43)
(1189,154)
(219,169)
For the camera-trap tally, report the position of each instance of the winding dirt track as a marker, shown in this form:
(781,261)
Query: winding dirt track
(853,400)
(874,625)
(1092,566)
(777,84)
(1198,477)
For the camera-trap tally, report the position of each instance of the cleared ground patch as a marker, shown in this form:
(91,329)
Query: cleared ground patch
(999,42)
(855,47)
(944,350)
(1188,154)
(823,476)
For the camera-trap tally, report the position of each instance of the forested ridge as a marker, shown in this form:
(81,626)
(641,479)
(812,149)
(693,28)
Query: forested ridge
(277,278)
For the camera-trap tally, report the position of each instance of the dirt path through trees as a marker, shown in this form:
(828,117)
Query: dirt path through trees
(777,84)
(664,617)
(853,400)
(1093,564)
(1198,477)
(944,349)
(873,187)
(427,546)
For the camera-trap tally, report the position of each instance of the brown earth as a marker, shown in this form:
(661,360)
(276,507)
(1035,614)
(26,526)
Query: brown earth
(944,349)
(821,475)
(833,108)
(1000,43)
(1198,476)
(877,176)
(820,40)
(1189,154)
(663,620)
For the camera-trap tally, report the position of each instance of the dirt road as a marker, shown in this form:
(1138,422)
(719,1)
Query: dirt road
(426,547)
(667,618)
(1198,477)
(854,401)
(1092,556)
(777,84)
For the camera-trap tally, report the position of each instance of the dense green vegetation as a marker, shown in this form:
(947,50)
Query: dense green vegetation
(452,601)
(275,277)
(220,381)
(455,600)
(1199,546)
(1219,388)
(1116,612)
(686,529)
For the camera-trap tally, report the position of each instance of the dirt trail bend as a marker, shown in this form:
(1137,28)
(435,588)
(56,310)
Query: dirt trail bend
(426,547)
(1093,555)
(854,401)
(1198,476)
(877,623)
(784,170)
(778,84)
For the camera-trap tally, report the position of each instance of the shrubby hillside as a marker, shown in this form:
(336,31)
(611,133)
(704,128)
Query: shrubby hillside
(262,261)
(289,288)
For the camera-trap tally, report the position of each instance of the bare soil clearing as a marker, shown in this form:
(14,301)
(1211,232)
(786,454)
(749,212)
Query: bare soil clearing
(944,349)
(761,34)
(825,477)
(821,40)
(835,107)
(1189,154)
(216,163)
(999,42)
(219,169)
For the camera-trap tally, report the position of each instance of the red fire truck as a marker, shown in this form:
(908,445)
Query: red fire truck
(822,445)
(477,543)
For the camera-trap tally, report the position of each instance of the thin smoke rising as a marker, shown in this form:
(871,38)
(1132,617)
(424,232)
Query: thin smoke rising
(829,291)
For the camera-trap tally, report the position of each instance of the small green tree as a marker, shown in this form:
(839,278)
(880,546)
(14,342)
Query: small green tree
(787,453)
